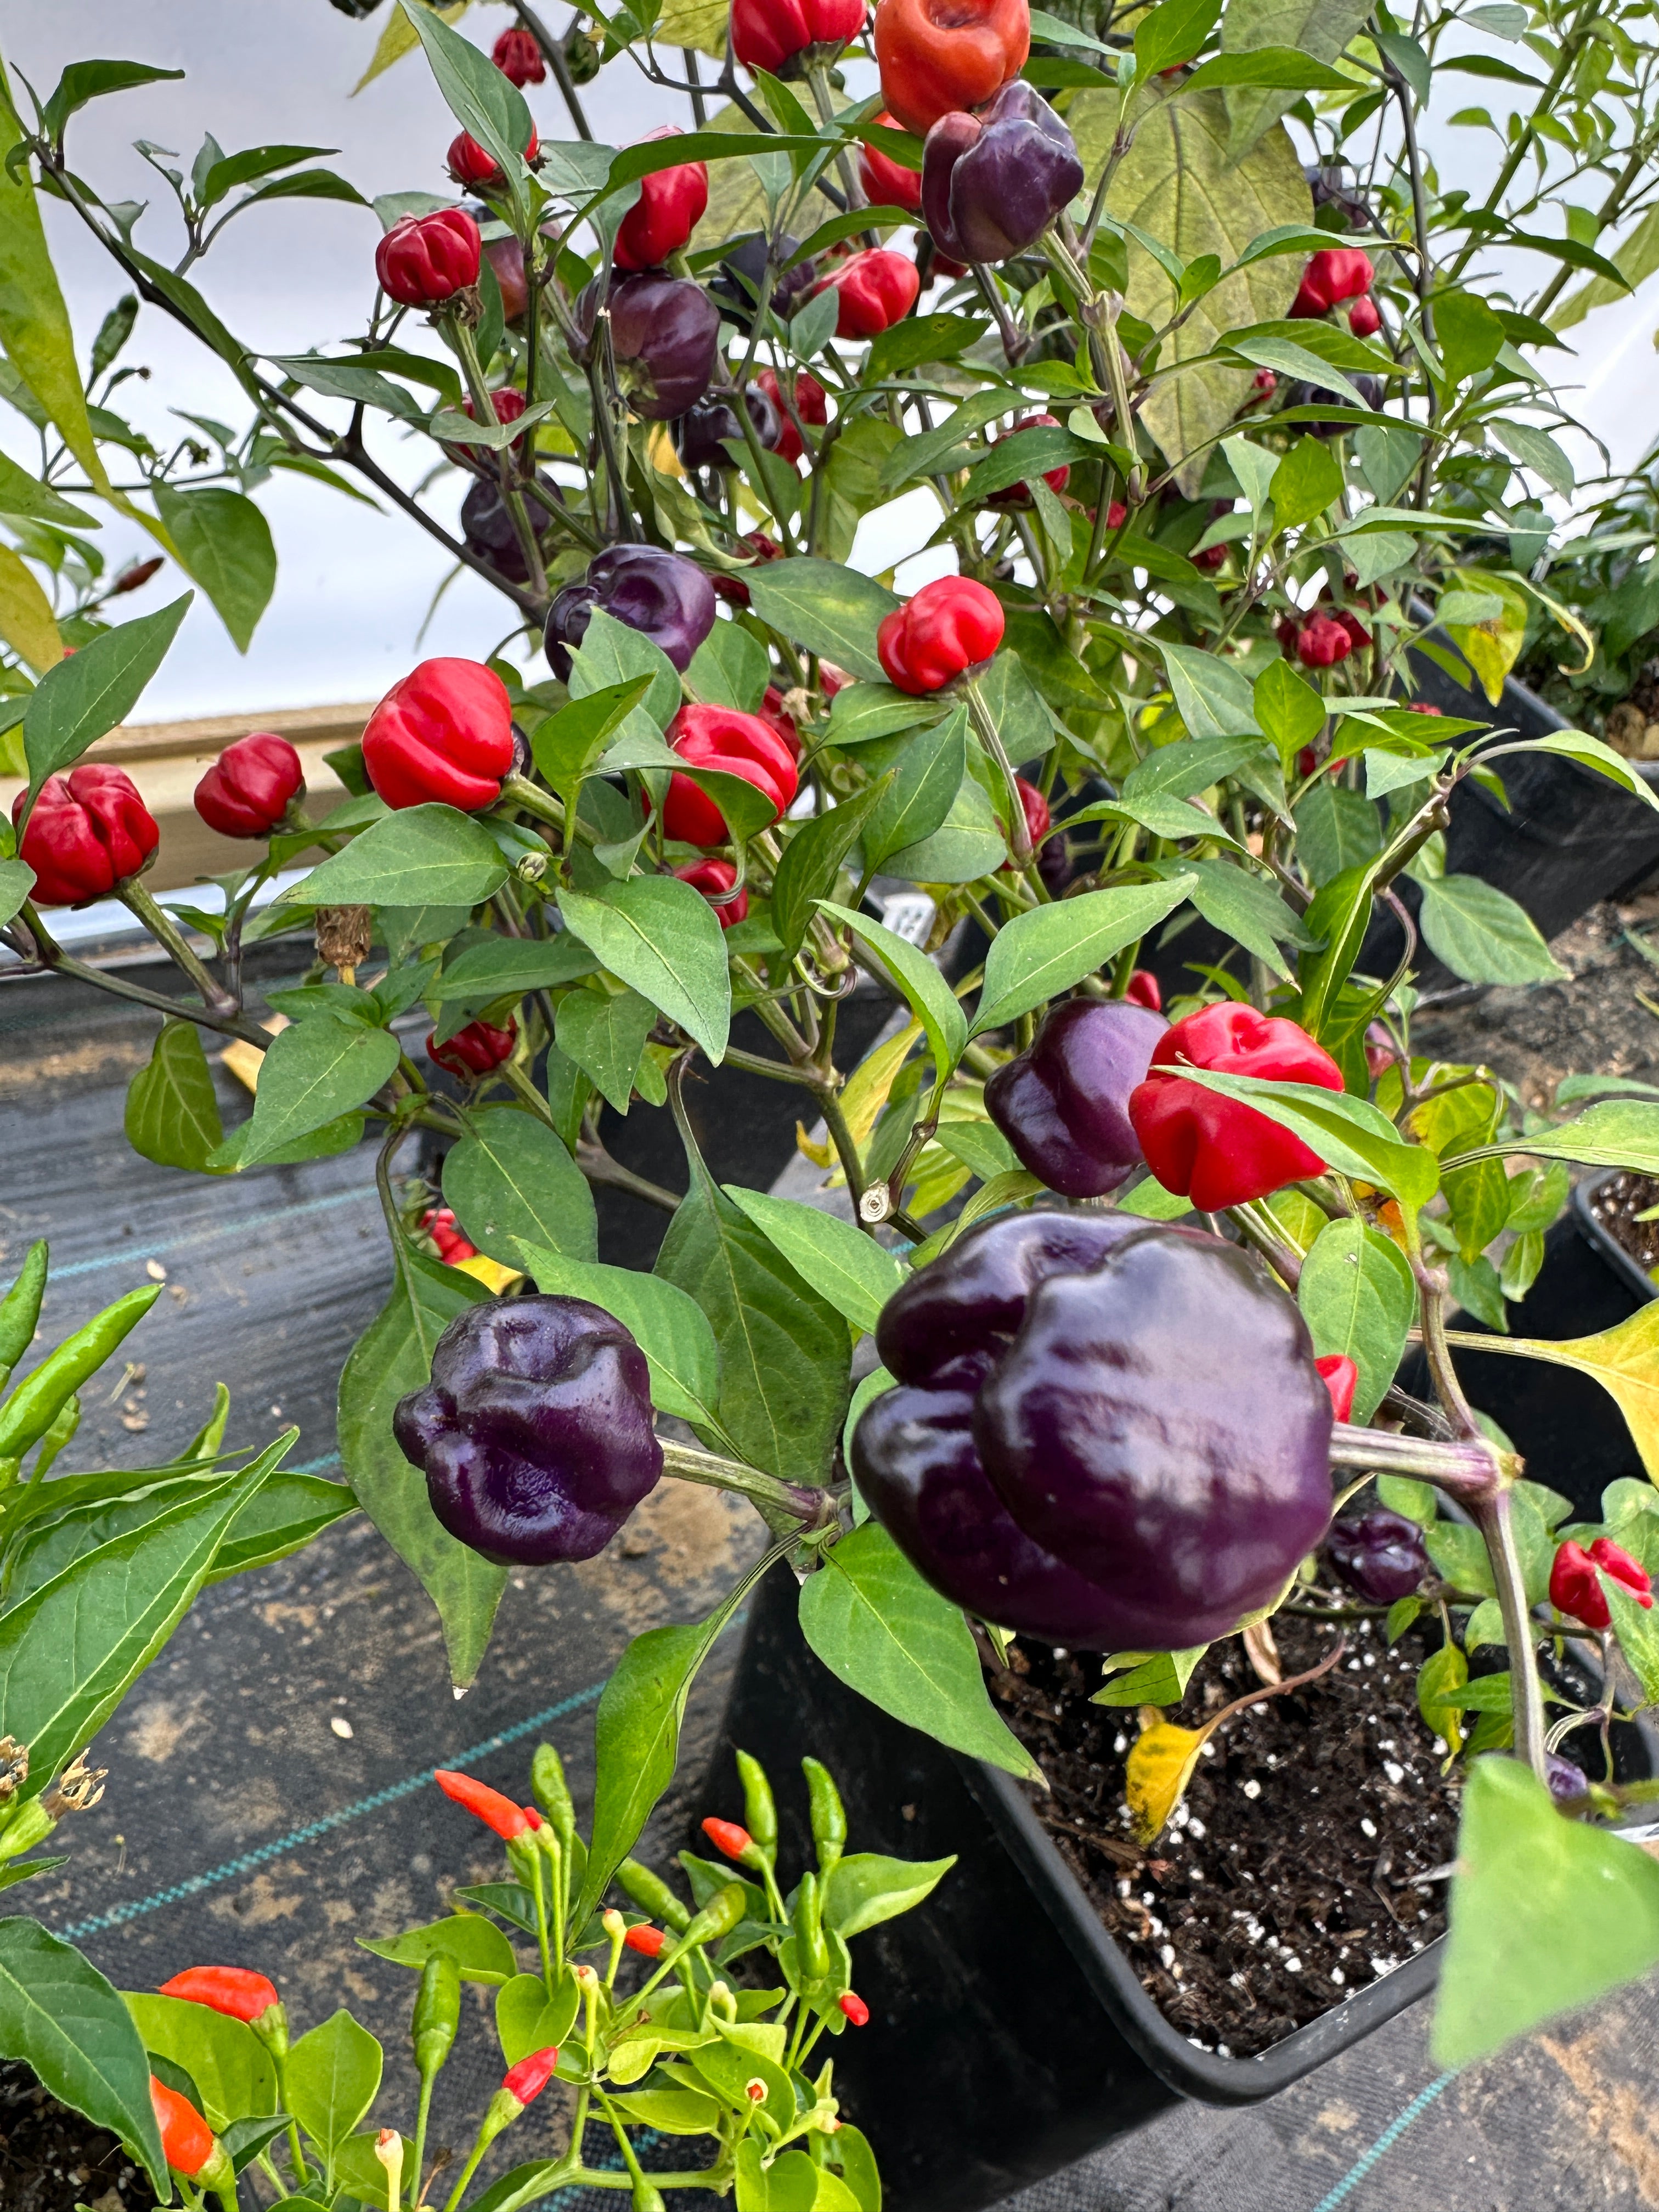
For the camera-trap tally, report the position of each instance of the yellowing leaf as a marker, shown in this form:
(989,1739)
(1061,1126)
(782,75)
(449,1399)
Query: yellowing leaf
(698,24)
(400,38)
(868,1086)
(1492,647)
(1624,1360)
(489,1273)
(25,616)
(1157,1770)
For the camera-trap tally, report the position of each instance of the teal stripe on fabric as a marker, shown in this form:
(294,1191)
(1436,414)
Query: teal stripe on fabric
(231,1869)
(226,1228)
(1384,2143)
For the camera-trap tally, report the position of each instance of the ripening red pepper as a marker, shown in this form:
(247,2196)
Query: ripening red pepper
(453,1247)
(474,167)
(519,58)
(888,183)
(1019,494)
(236,1991)
(508,1820)
(478,1049)
(648,1941)
(876,289)
(251,787)
(507,401)
(1214,1150)
(670,207)
(1117,514)
(812,405)
(1574,1588)
(1144,991)
(711,876)
(941,55)
(443,734)
(767,34)
(773,712)
(90,833)
(527,2080)
(1341,1378)
(729,1837)
(187,2141)
(1364,320)
(1321,641)
(425,259)
(950,626)
(1265,382)
(855,2009)
(1335,274)
(1035,808)
(737,744)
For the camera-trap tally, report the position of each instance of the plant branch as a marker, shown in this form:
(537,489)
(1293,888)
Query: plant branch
(815,1509)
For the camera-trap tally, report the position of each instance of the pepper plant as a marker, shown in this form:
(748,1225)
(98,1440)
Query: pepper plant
(1155,329)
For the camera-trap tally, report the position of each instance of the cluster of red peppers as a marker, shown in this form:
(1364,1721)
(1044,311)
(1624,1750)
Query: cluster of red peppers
(1336,274)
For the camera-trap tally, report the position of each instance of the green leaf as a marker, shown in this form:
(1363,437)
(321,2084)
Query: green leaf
(527,2019)
(1590,752)
(856,1274)
(313,1072)
(1306,482)
(610,654)
(812,858)
(569,745)
(1154,1678)
(477,1946)
(730,668)
(967,844)
(391,1357)
(325,1144)
(420,856)
(70,1650)
(21,494)
(1358,1298)
(1213,697)
(224,544)
(492,968)
(17,882)
(231,2069)
(172,1113)
(826,608)
(332,2077)
(510,1177)
(604,1033)
(922,338)
(658,935)
(59,2015)
(929,997)
(637,1733)
(865,1889)
(879,1628)
(488,106)
(1172,32)
(84,698)
(1045,951)
(1547,1913)
(1272,69)
(1247,907)
(1469,332)
(1619,1133)
(669,1326)
(1347,1133)
(920,796)
(34,324)
(1481,934)
(1287,707)
(1336,830)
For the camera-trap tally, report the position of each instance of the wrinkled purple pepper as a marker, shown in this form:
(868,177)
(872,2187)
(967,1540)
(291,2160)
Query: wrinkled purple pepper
(1379,1555)
(1106,1433)
(1064,1104)
(738,286)
(535,1432)
(487,528)
(663,332)
(702,436)
(991,185)
(665,597)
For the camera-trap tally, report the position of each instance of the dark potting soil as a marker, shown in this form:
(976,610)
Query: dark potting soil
(52,2159)
(1616,1205)
(1285,1880)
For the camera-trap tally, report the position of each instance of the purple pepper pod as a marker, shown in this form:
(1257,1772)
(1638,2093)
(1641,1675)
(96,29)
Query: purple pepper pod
(701,436)
(1379,1555)
(535,1433)
(1064,1104)
(664,334)
(991,185)
(664,596)
(1141,1405)
(1565,1780)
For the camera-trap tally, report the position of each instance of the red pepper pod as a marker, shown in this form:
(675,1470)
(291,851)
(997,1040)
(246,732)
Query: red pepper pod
(1217,1150)
(950,626)
(1019,494)
(938,55)
(648,1941)
(888,183)
(730,1837)
(519,58)
(1575,1590)
(1144,991)
(425,259)
(188,2144)
(1341,1378)
(812,405)
(736,743)
(771,34)
(1321,641)
(444,733)
(855,2007)
(876,289)
(670,205)
(90,833)
(475,1051)
(527,2080)
(1364,320)
(236,1991)
(251,787)
(508,1820)
(1335,274)
(711,876)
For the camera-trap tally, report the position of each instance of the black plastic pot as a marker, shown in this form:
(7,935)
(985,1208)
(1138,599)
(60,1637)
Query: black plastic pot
(1008,2035)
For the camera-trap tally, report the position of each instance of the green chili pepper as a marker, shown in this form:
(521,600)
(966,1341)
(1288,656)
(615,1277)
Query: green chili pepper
(56,1437)
(35,1404)
(653,1895)
(437,2013)
(826,1814)
(20,1310)
(722,1913)
(760,1810)
(552,1792)
(812,1950)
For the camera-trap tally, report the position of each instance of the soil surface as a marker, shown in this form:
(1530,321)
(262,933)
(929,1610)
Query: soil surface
(1285,1881)
(1617,1205)
(52,2159)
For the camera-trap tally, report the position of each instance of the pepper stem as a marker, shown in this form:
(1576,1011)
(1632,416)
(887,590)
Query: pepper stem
(814,1509)
(1019,835)
(1471,1470)
(168,935)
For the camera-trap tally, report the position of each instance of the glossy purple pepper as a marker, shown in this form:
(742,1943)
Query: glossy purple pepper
(1064,1104)
(535,1433)
(1140,1406)
(662,595)
(663,332)
(1379,1554)
(1565,1780)
(992,184)
(700,437)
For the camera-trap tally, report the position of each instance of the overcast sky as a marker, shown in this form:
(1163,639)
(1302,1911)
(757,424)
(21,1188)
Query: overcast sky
(353,584)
